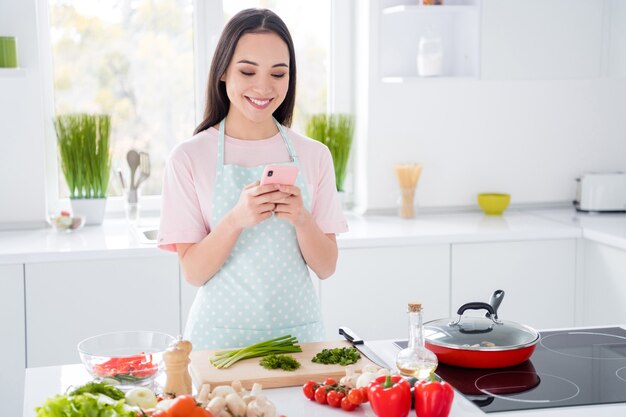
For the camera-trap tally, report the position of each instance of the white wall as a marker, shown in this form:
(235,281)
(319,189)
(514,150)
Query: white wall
(22,173)
(530,138)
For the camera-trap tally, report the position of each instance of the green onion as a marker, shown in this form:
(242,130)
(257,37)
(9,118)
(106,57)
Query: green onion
(283,344)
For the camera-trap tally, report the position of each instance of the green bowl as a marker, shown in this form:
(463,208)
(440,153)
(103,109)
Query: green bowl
(493,204)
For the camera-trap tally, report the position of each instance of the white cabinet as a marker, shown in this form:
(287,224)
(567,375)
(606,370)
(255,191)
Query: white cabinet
(12,347)
(455,23)
(604,285)
(371,288)
(538,278)
(69,301)
(538,39)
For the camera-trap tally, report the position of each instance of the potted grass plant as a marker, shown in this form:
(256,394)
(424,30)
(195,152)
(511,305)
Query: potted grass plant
(85,154)
(335,131)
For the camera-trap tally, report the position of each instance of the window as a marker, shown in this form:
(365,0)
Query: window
(135,60)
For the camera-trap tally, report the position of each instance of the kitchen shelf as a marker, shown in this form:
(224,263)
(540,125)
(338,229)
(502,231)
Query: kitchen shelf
(416,79)
(405,8)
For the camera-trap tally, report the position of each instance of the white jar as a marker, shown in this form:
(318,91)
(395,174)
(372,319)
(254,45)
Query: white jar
(430,57)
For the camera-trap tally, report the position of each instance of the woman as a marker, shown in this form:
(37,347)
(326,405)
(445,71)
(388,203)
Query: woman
(249,246)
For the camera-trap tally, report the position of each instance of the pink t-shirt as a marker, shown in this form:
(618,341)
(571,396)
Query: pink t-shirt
(190,176)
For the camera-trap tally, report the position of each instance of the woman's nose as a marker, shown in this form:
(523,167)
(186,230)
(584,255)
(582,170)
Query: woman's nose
(263,86)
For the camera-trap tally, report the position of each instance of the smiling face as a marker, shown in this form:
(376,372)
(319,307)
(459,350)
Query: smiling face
(257,81)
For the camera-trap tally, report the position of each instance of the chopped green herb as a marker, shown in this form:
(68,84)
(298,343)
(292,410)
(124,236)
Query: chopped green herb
(342,356)
(284,362)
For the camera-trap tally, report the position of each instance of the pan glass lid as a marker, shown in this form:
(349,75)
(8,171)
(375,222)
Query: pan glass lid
(479,333)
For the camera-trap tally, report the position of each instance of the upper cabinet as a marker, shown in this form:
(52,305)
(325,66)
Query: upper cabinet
(449,35)
(538,39)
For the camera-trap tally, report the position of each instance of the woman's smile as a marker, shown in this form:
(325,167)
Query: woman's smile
(259,103)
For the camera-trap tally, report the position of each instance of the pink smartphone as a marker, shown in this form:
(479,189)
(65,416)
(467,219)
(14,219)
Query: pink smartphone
(279,174)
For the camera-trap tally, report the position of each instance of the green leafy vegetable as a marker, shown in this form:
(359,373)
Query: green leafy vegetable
(284,362)
(283,344)
(92,405)
(95,387)
(342,356)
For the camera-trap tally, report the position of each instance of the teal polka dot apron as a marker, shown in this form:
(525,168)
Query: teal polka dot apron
(263,290)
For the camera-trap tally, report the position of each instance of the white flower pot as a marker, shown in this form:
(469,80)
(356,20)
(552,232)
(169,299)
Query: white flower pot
(91,208)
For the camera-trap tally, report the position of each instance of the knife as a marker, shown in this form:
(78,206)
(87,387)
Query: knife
(359,344)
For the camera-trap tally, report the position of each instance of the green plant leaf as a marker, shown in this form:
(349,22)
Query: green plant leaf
(335,131)
(84,150)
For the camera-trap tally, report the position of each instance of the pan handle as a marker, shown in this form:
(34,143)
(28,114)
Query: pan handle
(475,306)
(496,300)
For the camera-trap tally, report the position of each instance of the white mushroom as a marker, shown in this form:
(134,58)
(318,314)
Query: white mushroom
(370,368)
(222,391)
(216,405)
(256,389)
(365,378)
(205,394)
(261,407)
(236,405)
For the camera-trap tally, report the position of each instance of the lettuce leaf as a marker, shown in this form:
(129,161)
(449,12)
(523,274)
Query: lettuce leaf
(84,405)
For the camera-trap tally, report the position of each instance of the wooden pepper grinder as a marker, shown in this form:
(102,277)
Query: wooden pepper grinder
(176,358)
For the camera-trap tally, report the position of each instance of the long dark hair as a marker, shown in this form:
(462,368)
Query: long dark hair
(246,21)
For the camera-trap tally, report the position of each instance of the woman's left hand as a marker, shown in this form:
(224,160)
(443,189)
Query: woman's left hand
(291,208)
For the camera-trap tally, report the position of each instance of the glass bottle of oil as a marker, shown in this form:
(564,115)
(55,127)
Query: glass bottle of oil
(416,360)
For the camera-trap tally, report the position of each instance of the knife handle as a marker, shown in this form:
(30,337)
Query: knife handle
(350,336)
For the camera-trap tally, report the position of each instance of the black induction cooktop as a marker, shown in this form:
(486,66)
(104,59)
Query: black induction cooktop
(567,368)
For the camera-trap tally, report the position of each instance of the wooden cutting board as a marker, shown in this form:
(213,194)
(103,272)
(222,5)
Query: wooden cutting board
(249,371)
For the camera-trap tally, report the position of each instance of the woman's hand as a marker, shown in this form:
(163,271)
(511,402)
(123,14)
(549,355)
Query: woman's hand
(291,207)
(256,203)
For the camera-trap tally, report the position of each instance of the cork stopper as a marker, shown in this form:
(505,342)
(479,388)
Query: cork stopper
(415,308)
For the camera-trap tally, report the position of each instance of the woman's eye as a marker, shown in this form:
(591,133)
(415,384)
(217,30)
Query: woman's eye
(247,74)
(278,75)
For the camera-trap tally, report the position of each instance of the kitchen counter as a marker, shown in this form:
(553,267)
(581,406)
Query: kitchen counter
(44,382)
(116,239)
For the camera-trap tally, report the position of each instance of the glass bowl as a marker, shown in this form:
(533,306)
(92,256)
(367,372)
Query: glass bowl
(65,222)
(126,359)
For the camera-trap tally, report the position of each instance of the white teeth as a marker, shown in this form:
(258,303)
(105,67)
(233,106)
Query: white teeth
(259,102)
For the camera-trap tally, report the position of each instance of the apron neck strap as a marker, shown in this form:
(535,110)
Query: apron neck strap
(281,130)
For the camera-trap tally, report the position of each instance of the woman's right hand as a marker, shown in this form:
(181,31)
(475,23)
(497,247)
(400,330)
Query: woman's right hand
(256,204)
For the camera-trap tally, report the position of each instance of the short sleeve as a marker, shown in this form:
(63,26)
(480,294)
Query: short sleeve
(181,214)
(326,209)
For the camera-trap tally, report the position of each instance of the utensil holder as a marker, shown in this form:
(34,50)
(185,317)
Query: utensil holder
(407,202)
(131,205)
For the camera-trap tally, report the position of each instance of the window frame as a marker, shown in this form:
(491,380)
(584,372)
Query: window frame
(208,23)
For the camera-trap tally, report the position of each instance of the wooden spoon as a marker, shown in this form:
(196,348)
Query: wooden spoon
(133,159)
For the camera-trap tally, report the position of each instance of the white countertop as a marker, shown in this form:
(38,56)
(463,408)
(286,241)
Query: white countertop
(41,383)
(115,238)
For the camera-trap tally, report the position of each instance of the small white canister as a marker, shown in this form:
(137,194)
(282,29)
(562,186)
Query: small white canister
(430,57)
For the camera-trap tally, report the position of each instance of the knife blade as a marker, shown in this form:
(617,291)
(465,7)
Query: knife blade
(359,344)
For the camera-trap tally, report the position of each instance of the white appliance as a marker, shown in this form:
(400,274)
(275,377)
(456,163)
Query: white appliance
(601,191)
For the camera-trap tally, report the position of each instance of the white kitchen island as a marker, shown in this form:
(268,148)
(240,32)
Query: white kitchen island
(44,382)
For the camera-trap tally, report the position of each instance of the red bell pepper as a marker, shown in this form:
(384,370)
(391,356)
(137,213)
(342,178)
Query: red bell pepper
(433,398)
(390,396)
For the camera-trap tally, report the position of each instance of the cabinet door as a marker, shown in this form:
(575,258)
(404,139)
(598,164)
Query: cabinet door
(538,278)
(538,39)
(69,301)
(371,288)
(604,285)
(12,348)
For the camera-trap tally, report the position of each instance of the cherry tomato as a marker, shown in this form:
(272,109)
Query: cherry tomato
(346,405)
(364,394)
(329,381)
(320,395)
(182,406)
(200,412)
(355,396)
(309,388)
(334,398)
